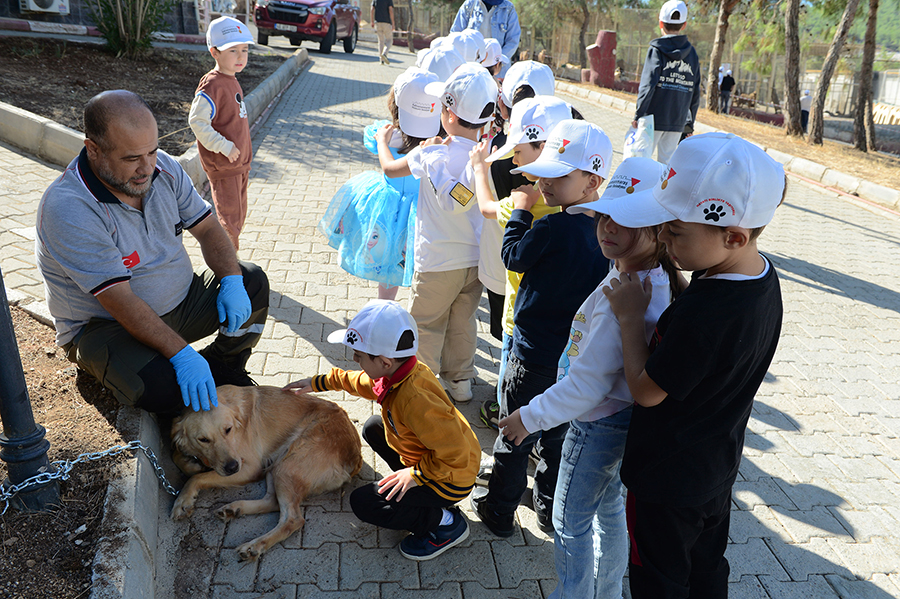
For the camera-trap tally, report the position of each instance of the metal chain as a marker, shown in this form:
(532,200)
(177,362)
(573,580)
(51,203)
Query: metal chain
(60,470)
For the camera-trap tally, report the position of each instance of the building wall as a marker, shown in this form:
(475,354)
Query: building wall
(182,19)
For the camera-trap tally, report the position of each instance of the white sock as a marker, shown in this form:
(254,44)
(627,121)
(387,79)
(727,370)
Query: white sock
(446,517)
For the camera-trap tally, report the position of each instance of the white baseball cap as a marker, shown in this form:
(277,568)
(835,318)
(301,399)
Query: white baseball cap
(493,53)
(667,14)
(532,119)
(471,93)
(633,175)
(469,43)
(714,179)
(528,72)
(381,328)
(225,32)
(420,112)
(442,61)
(436,42)
(573,144)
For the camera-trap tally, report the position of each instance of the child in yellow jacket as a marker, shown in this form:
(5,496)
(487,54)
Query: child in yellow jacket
(425,440)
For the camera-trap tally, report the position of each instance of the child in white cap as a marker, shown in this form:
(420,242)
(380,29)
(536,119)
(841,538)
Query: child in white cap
(370,221)
(590,535)
(562,264)
(445,288)
(694,385)
(530,124)
(422,437)
(670,82)
(218,119)
(494,60)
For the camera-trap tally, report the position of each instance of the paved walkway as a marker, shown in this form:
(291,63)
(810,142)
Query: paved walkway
(816,509)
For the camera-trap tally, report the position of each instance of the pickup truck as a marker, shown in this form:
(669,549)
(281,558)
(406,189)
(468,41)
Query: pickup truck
(322,21)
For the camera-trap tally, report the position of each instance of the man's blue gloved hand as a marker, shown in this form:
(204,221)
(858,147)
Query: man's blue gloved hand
(233,302)
(198,389)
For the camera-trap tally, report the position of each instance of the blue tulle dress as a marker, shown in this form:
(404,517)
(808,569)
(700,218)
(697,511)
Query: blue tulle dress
(371,222)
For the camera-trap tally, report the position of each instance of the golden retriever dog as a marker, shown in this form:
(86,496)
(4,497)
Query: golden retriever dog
(302,445)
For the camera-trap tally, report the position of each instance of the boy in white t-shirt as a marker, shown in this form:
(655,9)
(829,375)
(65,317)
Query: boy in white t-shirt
(445,288)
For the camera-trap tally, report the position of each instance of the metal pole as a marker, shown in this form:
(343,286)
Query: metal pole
(22,443)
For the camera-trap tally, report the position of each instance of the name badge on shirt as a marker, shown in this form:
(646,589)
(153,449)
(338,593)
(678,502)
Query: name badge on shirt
(461,194)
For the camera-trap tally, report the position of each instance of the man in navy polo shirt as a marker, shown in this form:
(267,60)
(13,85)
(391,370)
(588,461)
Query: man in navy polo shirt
(119,283)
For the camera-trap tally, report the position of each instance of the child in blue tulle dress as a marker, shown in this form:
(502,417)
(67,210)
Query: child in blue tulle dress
(371,219)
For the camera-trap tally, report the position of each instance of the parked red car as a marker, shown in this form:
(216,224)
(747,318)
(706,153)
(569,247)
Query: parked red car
(322,21)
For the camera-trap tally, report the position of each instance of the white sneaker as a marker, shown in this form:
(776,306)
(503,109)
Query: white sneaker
(459,391)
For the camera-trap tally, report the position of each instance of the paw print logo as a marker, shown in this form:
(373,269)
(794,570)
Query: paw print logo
(532,133)
(597,164)
(714,212)
(449,101)
(352,338)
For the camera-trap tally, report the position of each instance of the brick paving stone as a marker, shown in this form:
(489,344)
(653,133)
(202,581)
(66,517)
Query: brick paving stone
(815,587)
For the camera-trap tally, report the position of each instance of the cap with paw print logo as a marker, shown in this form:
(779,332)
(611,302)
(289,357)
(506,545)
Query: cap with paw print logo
(381,328)
(714,179)
(572,145)
(470,92)
(633,175)
(532,119)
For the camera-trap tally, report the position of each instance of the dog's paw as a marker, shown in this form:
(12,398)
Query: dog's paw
(228,512)
(182,509)
(248,552)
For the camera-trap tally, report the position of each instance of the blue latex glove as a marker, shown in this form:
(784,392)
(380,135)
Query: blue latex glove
(233,302)
(198,389)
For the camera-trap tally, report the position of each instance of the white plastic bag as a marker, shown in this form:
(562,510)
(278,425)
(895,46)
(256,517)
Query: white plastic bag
(639,141)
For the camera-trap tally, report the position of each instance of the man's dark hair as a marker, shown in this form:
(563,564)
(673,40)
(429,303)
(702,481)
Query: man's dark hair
(106,106)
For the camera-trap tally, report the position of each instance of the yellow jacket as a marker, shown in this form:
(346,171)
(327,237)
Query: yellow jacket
(421,424)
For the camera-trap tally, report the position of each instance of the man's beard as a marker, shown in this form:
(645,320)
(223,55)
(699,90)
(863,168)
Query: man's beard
(126,187)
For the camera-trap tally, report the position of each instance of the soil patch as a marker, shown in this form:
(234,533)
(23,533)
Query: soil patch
(49,555)
(55,79)
(876,167)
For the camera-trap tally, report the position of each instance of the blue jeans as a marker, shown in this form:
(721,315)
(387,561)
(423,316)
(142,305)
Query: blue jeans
(504,356)
(509,479)
(589,511)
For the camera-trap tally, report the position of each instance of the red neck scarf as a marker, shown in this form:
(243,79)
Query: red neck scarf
(382,386)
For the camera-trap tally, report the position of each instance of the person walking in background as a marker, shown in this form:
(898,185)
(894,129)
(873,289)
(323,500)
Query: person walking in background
(670,81)
(805,105)
(382,17)
(494,19)
(725,90)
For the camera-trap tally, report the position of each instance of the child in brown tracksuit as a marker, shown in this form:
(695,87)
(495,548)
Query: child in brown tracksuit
(218,119)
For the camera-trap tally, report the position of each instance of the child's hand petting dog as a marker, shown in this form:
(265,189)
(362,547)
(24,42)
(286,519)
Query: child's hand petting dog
(301,386)
(397,484)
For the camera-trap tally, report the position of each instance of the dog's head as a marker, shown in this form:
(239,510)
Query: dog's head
(210,436)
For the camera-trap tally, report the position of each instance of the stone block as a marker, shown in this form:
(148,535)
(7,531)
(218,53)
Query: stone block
(21,128)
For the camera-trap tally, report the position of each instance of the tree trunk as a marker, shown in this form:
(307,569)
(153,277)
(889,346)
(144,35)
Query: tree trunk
(409,30)
(816,123)
(582,51)
(792,125)
(863,132)
(726,7)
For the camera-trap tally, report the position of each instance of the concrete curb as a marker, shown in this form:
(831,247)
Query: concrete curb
(58,144)
(818,173)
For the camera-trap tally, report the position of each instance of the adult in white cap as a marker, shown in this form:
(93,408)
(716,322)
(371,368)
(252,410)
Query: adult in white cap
(805,105)
(493,18)
(726,86)
(670,81)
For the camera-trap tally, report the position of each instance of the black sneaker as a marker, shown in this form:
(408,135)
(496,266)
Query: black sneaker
(490,414)
(545,520)
(426,547)
(500,525)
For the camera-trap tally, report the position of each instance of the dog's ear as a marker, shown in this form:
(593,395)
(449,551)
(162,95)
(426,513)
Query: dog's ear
(177,432)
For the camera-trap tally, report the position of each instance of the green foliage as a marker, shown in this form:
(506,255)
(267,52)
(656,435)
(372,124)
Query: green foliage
(762,35)
(127,25)
(823,17)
